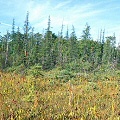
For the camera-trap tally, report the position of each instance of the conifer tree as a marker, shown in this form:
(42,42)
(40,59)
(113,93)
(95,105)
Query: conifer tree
(7,39)
(26,41)
(60,47)
(48,51)
(13,43)
(73,48)
(19,47)
(86,33)
(102,39)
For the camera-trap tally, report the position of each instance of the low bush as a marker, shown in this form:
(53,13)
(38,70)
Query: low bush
(65,75)
(35,71)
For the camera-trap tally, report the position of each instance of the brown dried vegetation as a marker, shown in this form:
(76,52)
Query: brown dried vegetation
(29,98)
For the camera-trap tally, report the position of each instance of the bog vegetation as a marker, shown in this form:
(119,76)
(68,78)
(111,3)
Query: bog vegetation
(55,77)
(51,98)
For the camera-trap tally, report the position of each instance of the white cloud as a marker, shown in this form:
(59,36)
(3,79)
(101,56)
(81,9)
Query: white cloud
(62,4)
(37,10)
(69,12)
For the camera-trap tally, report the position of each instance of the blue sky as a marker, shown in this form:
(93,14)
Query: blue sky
(99,14)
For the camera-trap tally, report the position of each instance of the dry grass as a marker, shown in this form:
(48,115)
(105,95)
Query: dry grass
(28,98)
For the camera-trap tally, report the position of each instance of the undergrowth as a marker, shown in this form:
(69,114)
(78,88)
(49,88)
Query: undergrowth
(46,97)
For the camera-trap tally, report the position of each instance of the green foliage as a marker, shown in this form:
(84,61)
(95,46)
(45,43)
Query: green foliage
(86,33)
(65,75)
(35,71)
(50,50)
(17,69)
(79,66)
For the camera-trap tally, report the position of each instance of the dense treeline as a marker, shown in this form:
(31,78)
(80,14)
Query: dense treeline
(50,50)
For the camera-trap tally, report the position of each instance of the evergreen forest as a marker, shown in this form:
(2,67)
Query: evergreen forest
(49,50)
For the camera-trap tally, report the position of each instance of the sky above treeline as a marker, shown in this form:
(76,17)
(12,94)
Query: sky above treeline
(99,14)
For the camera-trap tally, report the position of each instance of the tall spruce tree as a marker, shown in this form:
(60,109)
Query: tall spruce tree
(48,50)
(13,43)
(26,41)
(109,51)
(60,47)
(73,46)
(86,33)
(7,40)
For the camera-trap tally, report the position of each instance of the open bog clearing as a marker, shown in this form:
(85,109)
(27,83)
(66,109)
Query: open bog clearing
(45,98)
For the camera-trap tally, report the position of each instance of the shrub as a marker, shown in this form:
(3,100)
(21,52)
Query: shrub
(35,71)
(79,66)
(65,75)
(16,69)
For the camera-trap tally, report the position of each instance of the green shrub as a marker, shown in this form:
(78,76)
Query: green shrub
(16,69)
(35,71)
(65,75)
(79,66)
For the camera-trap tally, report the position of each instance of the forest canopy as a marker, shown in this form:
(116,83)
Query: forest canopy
(50,50)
